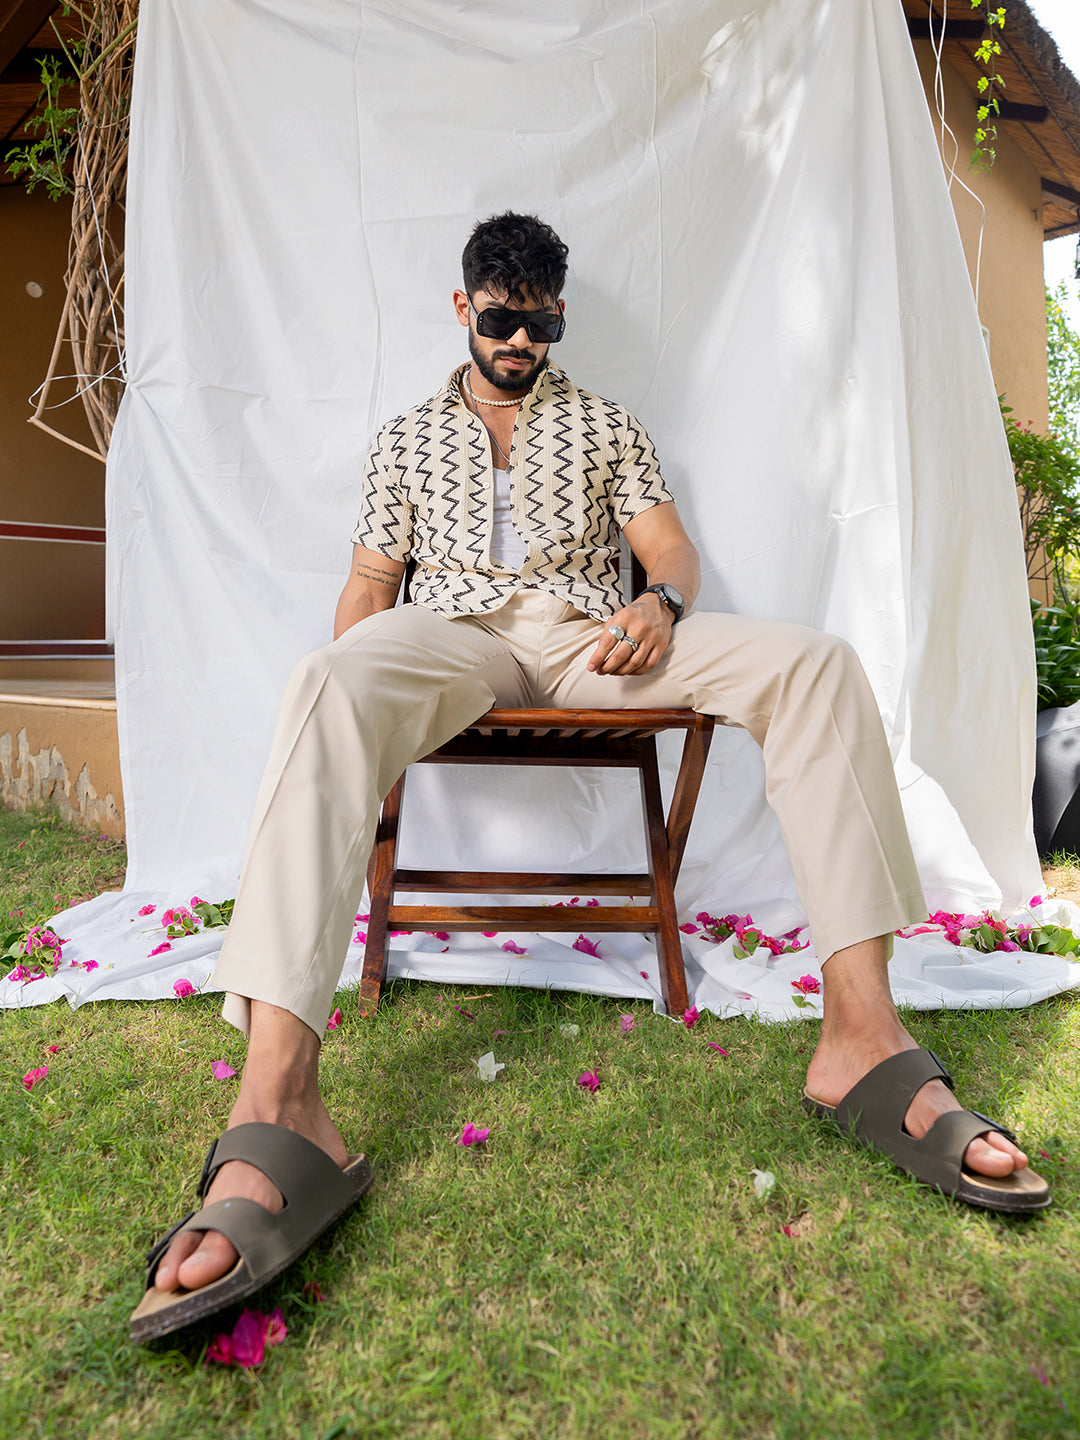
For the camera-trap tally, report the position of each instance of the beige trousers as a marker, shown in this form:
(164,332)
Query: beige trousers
(402,682)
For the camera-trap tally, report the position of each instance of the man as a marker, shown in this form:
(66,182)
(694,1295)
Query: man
(511,488)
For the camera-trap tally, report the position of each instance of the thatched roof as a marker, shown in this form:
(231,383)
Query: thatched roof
(1040,101)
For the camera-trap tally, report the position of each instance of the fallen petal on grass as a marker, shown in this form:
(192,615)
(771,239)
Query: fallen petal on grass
(589,1081)
(715,1045)
(335,1020)
(31,1078)
(488,1066)
(764,1180)
(626,1023)
(691,1015)
(471,1135)
(181,988)
(221,1069)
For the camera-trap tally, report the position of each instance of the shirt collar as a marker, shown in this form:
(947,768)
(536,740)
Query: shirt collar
(551,379)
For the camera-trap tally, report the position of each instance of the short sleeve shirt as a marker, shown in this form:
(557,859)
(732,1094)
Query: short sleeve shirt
(581,468)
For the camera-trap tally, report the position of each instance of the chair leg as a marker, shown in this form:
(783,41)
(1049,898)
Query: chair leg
(691,770)
(381,895)
(668,936)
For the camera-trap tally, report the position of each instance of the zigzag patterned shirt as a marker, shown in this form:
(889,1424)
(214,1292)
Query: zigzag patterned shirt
(581,468)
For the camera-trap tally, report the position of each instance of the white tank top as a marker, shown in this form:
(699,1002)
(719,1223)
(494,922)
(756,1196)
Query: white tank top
(507,546)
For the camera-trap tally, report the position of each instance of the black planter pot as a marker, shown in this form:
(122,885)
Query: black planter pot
(1055,796)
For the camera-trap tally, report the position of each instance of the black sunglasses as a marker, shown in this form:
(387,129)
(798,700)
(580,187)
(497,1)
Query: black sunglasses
(499,322)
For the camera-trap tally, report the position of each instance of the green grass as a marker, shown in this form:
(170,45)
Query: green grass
(602,1268)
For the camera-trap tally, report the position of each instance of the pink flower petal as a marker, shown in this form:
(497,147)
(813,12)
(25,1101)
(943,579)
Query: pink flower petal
(471,1135)
(715,1045)
(440,934)
(489,934)
(626,1023)
(644,974)
(221,1069)
(587,947)
(31,1078)
(196,901)
(311,1289)
(182,988)
(788,1231)
(807,985)
(589,1081)
(147,909)
(689,928)
(1035,900)
(249,1339)
(276,1329)
(512,949)
(160,949)
(691,1015)
(53,1049)
(335,1020)
(219,1350)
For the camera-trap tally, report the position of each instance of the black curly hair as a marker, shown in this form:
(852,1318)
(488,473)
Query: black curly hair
(517,255)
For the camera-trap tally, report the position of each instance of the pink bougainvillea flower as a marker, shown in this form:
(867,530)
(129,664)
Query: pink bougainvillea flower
(589,1081)
(168,916)
(147,909)
(221,1069)
(1035,900)
(159,949)
(626,1023)
(489,934)
(335,1020)
(788,1231)
(715,1045)
(461,1009)
(365,916)
(252,1334)
(312,1291)
(195,901)
(689,928)
(587,947)
(219,1351)
(691,1015)
(512,949)
(53,1049)
(644,974)
(31,1078)
(181,988)
(591,902)
(440,934)
(470,1135)
(249,1339)
(807,985)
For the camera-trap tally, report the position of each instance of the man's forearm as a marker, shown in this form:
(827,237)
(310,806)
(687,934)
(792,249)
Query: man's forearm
(678,566)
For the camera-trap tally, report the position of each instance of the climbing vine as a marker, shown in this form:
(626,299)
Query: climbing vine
(984,153)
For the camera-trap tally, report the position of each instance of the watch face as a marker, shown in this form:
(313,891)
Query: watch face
(673,594)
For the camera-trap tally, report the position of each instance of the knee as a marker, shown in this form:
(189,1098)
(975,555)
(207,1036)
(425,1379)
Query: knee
(310,673)
(829,659)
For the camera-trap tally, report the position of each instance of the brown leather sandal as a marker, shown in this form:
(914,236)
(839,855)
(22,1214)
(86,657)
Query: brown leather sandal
(315,1191)
(873,1111)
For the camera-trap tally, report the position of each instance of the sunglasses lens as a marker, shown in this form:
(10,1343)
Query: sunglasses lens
(498,322)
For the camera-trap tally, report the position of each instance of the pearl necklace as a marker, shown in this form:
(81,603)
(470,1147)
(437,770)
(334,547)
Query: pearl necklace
(478,400)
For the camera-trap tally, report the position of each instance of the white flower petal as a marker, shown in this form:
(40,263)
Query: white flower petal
(488,1066)
(569,1029)
(764,1180)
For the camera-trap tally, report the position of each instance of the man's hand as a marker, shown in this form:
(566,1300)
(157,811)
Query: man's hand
(648,621)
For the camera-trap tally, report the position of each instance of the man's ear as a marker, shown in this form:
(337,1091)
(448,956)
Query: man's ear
(461,306)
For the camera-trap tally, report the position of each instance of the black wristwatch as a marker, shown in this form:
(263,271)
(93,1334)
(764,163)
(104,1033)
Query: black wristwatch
(671,598)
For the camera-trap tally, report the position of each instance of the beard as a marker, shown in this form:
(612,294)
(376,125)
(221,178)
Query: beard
(523,380)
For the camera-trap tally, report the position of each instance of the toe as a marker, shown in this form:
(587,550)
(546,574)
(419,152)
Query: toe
(166,1277)
(994,1155)
(214,1257)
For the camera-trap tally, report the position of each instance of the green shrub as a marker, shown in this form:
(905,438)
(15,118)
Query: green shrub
(1057,652)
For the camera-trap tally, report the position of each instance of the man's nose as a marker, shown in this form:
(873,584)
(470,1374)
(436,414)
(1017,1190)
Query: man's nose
(520,339)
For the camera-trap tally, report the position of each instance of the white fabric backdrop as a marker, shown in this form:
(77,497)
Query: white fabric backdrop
(765,268)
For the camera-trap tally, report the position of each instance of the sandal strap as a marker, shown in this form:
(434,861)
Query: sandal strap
(308,1179)
(264,1241)
(880,1100)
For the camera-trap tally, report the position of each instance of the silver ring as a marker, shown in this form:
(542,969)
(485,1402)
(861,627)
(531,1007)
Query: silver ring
(617,631)
(631,641)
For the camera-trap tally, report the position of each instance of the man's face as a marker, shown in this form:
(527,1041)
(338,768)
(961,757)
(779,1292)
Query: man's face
(512,364)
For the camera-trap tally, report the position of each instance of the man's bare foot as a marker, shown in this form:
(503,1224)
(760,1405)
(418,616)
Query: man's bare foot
(861,1028)
(279,1087)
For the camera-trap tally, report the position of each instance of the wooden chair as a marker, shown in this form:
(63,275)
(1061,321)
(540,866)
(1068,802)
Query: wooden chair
(624,739)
